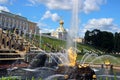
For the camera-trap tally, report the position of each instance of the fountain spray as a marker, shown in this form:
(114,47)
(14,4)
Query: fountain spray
(73,31)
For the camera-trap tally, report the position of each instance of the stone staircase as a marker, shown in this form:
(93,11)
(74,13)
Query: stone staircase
(14,44)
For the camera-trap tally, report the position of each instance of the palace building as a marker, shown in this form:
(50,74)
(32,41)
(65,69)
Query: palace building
(60,32)
(9,21)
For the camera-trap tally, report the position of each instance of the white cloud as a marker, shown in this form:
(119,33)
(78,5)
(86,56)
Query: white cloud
(44,28)
(53,4)
(92,5)
(7,1)
(19,14)
(41,25)
(48,14)
(4,8)
(59,4)
(84,5)
(3,1)
(55,17)
(105,24)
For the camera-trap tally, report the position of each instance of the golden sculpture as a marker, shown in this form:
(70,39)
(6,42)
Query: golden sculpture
(107,62)
(72,56)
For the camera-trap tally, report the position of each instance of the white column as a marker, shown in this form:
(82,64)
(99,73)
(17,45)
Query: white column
(0,20)
(27,27)
(23,26)
(8,21)
(12,23)
(4,22)
(16,23)
(19,25)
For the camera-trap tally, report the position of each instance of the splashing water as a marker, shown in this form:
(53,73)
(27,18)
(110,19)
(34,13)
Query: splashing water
(84,56)
(92,55)
(72,34)
(54,76)
(102,59)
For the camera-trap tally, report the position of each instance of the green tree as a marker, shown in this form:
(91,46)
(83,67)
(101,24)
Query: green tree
(100,39)
(87,37)
(117,42)
(107,41)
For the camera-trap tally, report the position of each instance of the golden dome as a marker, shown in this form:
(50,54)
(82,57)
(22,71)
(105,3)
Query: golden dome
(61,22)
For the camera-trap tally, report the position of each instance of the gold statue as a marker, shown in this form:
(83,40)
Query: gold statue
(72,56)
(107,62)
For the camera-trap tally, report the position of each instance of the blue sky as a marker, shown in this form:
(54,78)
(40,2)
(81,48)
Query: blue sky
(93,14)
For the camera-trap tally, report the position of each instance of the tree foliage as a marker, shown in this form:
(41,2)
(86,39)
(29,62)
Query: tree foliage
(102,39)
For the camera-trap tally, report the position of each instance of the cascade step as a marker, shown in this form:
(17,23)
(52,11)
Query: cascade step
(7,51)
(13,42)
(10,58)
(9,54)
